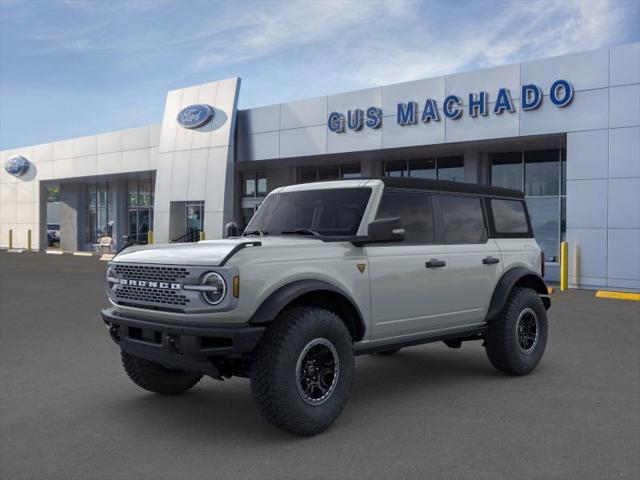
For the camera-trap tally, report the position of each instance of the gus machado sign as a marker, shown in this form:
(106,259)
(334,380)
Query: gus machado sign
(560,95)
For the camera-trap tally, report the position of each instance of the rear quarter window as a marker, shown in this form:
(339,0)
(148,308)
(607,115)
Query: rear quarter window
(509,217)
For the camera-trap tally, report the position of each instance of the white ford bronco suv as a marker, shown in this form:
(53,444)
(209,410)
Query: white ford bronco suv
(322,273)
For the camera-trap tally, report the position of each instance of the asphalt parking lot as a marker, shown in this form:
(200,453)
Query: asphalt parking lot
(67,410)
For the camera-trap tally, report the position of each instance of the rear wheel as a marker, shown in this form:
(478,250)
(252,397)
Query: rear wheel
(303,370)
(156,378)
(516,339)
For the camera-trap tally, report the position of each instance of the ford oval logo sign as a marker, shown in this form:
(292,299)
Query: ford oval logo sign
(195,116)
(17,166)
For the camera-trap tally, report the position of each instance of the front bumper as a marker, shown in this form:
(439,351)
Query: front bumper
(190,348)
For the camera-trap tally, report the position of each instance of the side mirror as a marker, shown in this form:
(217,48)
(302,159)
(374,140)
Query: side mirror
(385,230)
(231,230)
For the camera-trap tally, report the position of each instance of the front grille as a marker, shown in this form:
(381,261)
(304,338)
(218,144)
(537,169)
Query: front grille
(153,273)
(160,296)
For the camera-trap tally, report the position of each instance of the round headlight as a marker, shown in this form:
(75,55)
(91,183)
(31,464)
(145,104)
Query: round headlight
(215,288)
(111,279)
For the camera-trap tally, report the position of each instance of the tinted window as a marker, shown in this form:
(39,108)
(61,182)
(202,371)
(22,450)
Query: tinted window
(329,212)
(451,168)
(506,170)
(415,212)
(509,216)
(541,173)
(463,219)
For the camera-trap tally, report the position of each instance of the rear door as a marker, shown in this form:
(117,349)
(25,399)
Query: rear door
(475,264)
(409,280)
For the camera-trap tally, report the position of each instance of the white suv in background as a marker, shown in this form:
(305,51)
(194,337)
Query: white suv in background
(322,273)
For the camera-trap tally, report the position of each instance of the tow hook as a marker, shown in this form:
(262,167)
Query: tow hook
(174,344)
(114,331)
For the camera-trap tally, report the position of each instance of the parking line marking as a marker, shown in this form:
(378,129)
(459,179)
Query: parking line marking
(618,295)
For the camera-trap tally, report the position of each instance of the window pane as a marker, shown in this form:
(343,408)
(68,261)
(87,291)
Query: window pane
(351,171)
(563,171)
(329,172)
(415,212)
(262,184)
(509,216)
(507,170)
(545,219)
(144,193)
(451,168)
(542,173)
(425,168)
(307,174)
(248,184)
(333,212)
(132,192)
(463,219)
(53,193)
(395,169)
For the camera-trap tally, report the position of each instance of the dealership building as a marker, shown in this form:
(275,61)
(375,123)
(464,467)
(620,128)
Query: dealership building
(564,130)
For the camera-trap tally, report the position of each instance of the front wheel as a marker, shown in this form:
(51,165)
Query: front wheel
(302,370)
(516,339)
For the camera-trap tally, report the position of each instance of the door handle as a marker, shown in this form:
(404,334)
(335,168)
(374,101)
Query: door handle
(435,263)
(490,260)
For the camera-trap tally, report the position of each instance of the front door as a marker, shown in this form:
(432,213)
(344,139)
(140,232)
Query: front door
(409,280)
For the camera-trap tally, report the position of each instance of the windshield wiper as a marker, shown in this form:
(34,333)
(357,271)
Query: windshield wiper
(300,231)
(254,232)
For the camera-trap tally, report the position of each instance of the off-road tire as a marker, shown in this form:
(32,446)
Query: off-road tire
(501,339)
(156,378)
(386,353)
(274,376)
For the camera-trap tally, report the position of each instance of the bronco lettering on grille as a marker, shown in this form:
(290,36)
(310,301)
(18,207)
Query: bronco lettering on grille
(150,284)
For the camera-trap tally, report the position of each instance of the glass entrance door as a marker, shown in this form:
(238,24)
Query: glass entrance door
(194,221)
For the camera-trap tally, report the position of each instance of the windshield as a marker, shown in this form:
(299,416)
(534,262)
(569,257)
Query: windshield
(327,212)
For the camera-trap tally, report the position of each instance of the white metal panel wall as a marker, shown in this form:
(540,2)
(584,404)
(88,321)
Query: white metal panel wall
(124,151)
(197,164)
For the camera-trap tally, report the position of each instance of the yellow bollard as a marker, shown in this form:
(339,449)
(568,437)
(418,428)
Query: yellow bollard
(10,239)
(150,237)
(564,266)
(201,235)
(29,240)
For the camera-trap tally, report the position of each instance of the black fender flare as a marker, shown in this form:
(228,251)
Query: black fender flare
(511,278)
(286,294)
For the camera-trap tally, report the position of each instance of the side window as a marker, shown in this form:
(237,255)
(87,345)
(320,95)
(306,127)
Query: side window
(415,212)
(509,216)
(463,219)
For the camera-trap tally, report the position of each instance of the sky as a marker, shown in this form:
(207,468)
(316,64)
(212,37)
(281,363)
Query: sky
(70,68)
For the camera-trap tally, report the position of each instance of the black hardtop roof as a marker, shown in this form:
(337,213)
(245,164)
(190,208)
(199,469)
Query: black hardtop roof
(449,186)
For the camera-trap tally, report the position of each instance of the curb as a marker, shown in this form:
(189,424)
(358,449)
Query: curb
(635,297)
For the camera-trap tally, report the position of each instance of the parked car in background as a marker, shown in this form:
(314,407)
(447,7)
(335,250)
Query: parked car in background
(53,234)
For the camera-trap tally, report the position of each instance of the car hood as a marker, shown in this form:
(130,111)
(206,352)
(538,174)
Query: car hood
(206,252)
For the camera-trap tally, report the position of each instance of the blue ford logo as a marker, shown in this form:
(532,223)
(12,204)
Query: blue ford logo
(195,116)
(17,166)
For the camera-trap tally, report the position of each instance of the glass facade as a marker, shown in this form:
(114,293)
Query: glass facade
(194,221)
(254,190)
(100,218)
(328,172)
(139,210)
(254,184)
(540,174)
(441,168)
